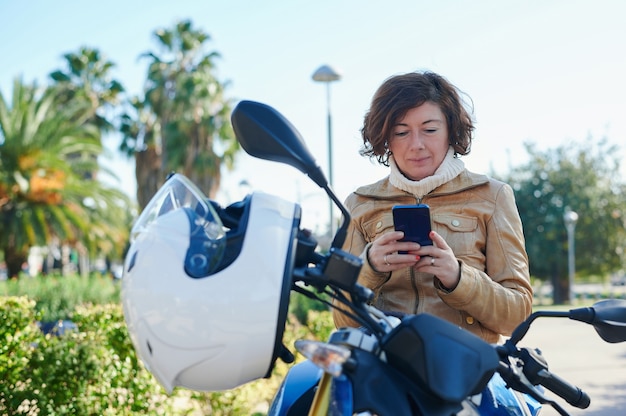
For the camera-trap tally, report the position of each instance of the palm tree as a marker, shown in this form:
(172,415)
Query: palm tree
(88,78)
(182,122)
(43,194)
(140,128)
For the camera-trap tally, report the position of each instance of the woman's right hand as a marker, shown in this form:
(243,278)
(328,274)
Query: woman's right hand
(383,254)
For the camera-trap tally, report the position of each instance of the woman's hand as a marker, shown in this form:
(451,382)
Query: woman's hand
(437,259)
(383,254)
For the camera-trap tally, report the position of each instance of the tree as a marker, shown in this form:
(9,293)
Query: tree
(584,177)
(44,195)
(140,129)
(88,78)
(182,121)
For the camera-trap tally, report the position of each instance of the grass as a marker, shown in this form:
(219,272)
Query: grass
(58,295)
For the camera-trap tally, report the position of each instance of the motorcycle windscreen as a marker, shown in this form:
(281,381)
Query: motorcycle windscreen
(446,360)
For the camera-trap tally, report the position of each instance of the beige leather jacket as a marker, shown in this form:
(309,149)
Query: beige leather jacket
(478,218)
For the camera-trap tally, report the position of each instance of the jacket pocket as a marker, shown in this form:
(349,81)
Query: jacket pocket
(461,232)
(377,226)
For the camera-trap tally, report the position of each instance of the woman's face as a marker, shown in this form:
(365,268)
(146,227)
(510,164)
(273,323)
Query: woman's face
(419,141)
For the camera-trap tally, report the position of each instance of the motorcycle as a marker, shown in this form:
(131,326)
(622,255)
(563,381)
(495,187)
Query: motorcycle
(391,365)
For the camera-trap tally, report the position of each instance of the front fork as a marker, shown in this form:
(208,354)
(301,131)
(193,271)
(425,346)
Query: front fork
(334,394)
(321,400)
(333,397)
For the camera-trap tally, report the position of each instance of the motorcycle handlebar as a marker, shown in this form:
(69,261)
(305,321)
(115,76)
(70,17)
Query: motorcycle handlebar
(570,393)
(535,369)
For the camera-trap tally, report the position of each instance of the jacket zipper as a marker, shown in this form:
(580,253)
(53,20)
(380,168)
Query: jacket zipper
(416,291)
(418,200)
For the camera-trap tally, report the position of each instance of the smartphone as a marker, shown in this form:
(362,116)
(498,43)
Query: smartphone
(414,220)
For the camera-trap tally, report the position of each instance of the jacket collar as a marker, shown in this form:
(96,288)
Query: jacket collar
(383,189)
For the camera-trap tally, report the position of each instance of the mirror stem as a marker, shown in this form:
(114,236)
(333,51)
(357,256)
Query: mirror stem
(340,236)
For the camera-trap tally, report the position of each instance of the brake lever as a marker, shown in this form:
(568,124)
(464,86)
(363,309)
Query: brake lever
(536,370)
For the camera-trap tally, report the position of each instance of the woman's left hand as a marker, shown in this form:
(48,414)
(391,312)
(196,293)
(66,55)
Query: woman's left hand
(439,260)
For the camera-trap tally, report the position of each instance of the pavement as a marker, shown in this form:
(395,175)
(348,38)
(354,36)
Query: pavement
(576,353)
(584,292)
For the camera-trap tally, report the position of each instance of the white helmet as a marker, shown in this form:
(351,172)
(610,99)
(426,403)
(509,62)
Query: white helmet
(205,305)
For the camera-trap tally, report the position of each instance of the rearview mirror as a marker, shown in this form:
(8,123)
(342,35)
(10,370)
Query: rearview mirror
(266,134)
(607,316)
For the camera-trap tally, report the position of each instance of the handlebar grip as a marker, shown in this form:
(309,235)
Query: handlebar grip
(571,394)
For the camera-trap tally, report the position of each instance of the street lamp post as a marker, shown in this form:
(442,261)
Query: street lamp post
(570,218)
(326,74)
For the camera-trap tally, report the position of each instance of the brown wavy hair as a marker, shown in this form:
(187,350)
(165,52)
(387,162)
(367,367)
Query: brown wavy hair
(400,93)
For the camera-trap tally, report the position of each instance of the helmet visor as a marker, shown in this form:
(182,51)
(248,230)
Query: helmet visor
(179,192)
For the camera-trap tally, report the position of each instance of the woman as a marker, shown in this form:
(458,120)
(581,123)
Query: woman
(475,274)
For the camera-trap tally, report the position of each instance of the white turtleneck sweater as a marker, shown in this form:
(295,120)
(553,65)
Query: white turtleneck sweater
(449,169)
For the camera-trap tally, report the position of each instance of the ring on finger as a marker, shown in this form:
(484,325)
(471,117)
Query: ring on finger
(432,261)
(385,260)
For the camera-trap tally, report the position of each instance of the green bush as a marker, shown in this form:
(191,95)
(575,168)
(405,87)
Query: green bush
(18,335)
(95,371)
(57,296)
(300,305)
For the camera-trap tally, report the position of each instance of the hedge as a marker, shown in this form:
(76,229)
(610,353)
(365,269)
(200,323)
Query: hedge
(94,370)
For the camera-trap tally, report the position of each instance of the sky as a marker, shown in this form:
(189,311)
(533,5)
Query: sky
(550,72)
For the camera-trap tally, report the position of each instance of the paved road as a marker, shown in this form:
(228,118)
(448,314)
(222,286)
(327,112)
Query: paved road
(576,353)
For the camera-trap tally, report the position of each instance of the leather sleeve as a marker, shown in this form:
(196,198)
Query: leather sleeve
(500,297)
